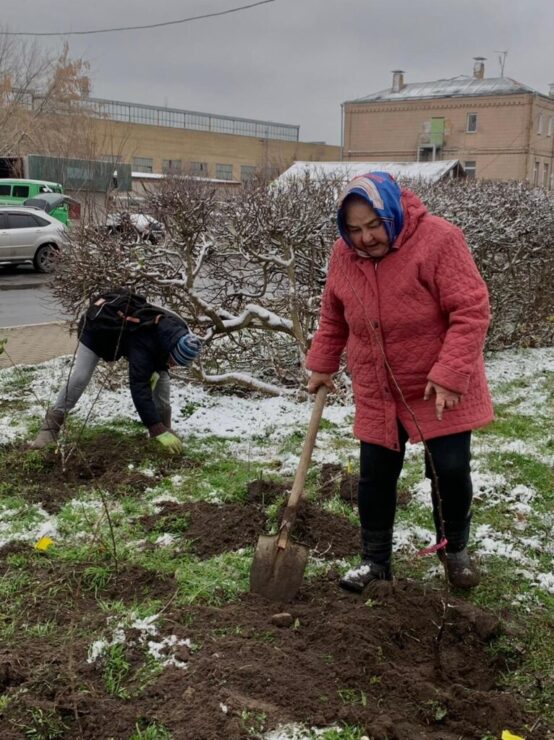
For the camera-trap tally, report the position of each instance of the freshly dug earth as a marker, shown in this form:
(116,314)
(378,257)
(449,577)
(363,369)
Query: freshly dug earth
(211,529)
(208,529)
(108,461)
(368,661)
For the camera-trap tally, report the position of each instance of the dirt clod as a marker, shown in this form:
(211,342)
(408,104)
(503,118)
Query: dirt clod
(283,619)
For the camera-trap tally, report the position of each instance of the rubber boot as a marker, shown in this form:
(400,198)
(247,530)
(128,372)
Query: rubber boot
(460,569)
(376,561)
(49,430)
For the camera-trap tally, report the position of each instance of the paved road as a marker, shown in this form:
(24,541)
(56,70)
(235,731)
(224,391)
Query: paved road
(26,299)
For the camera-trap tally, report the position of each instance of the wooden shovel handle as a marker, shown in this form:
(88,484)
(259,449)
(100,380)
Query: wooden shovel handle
(304,463)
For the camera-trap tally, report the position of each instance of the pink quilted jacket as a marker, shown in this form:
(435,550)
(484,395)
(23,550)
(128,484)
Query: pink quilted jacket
(429,307)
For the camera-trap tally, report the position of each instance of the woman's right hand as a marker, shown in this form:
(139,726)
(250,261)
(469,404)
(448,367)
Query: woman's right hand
(317,379)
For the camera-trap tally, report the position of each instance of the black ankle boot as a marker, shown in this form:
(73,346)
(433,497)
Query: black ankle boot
(460,569)
(376,561)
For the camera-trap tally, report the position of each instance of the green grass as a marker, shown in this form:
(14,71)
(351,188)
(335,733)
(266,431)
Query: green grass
(42,724)
(18,380)
(520,469)
(215,581)
(514,426)
(146,730)
(116,670)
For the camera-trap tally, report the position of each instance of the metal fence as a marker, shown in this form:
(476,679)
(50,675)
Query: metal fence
(152,115)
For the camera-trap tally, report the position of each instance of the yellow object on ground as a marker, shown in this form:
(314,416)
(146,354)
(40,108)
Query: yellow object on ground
(44,543)
(507,735)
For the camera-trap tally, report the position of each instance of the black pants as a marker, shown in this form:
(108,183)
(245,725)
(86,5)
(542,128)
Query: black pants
(381,467)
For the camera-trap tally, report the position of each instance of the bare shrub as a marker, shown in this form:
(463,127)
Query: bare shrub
(509,227)
(246,268)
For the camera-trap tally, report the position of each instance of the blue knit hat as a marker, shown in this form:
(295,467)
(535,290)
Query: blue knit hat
(380,191)
(186,349)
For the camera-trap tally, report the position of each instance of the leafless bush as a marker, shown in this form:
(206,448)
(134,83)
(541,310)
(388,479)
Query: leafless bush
(246,268)
(510,229)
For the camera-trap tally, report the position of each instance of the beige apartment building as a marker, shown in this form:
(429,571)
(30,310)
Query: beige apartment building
(497,127)
(173,141)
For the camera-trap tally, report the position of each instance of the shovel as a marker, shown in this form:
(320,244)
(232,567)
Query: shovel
(279,564)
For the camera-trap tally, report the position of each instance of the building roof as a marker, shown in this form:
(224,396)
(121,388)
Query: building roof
(462,85)
(158,176)
(426,171)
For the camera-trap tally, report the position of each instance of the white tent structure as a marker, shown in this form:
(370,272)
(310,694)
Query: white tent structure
(426,171)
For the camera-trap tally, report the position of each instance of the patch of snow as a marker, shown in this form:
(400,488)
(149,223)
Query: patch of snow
(301,732)
(159,649)
(409,537)
(165,540)
(12,529)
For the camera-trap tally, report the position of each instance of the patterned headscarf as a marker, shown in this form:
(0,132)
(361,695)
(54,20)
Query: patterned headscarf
(382,193)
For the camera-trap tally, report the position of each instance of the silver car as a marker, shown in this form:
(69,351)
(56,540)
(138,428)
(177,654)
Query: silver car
(30,235)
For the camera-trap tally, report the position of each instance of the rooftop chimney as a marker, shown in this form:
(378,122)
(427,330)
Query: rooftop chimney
(479,67)
(551,90)
(397,80)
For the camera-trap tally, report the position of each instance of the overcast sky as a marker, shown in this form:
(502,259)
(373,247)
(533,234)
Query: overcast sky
(291,61)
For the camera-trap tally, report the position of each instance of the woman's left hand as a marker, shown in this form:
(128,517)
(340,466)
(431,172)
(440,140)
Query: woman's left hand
(444,399)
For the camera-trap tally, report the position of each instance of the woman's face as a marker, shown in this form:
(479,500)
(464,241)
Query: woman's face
(365,229)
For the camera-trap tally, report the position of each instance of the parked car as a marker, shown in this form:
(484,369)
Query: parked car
(30,235)
(58,205)
(145,227)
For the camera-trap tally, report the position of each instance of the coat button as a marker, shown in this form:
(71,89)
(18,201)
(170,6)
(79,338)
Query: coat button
(375,324)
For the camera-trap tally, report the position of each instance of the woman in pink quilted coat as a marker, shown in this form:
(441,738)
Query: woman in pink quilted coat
(405,300)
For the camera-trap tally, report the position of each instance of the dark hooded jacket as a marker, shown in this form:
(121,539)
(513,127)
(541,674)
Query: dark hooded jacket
(147,350)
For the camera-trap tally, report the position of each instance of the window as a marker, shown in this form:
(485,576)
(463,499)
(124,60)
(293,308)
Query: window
(471,123)
(20,191)
(224,171)
(536,173)
(171,166)
(143,164)
(470,167)
(247,172)
(5,189)
(550,126)
(539,124)
(199,169)
(546,175)
(21,221)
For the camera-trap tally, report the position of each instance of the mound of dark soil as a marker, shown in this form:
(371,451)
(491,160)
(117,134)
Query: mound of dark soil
(264,492)
(52,478)
(209,529)
(344,659)
(328,535)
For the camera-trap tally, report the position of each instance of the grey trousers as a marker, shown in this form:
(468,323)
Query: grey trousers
(85,364)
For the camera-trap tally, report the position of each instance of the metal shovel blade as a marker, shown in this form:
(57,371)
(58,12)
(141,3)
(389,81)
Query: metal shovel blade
(277,572)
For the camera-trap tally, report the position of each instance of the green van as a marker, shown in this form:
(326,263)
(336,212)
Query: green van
(15,191)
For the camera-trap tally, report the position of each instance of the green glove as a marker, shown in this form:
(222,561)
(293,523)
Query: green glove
(154,380)
(170,442)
